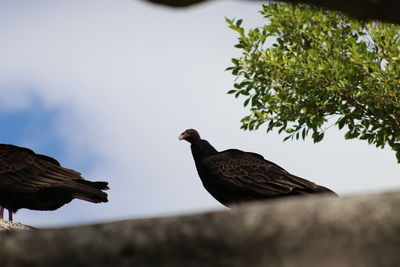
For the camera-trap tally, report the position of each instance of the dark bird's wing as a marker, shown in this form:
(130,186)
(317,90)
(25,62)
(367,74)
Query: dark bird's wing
(23,173)
(251,176)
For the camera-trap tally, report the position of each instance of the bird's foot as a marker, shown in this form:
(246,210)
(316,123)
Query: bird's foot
(10,215)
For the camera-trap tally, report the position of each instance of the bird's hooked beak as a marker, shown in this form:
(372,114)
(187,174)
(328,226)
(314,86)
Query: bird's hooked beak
(184,136)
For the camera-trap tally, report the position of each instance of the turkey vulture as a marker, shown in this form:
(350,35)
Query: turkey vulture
(38,182)
(234,176)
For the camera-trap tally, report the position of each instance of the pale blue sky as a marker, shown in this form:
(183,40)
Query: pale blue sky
(107,86)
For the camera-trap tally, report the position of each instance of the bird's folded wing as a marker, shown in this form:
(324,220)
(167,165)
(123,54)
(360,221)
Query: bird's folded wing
(23,171)
(244,171)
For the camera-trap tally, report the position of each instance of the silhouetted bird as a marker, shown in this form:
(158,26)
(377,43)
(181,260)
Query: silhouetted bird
(38,182)
(233,176)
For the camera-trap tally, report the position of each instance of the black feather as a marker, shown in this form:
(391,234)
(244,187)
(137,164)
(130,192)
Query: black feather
(39,182)
(233,176)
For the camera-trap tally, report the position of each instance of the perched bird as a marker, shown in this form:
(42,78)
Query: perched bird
(38,182)
(234,176)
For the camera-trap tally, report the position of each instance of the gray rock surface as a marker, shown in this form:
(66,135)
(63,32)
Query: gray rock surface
(13,226)
(358,231)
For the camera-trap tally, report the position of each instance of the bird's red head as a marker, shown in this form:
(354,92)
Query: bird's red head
(189,135)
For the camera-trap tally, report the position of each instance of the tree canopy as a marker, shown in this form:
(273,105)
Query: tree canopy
(323,69)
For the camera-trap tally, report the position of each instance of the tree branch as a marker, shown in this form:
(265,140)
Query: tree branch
(384,10)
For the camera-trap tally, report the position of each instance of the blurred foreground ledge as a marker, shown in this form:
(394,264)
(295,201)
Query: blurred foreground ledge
(310,231)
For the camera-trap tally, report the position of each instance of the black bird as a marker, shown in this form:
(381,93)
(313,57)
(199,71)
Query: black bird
(234,176)
(38,182)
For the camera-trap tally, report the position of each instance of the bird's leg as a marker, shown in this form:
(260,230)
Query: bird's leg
(1,212)
(10,215)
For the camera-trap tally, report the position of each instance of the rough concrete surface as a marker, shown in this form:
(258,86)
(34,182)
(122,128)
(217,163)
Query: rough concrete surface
(13,226)
(359,231)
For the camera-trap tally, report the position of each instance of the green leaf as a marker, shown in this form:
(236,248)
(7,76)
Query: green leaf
(287,138)
(228,21)
(398,156)
(306,67)
(351,135)
(341,122)
(317,137)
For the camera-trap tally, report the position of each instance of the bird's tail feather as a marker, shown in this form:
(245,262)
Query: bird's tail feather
(324,190)
(98,185)
(91,191)
(97,198)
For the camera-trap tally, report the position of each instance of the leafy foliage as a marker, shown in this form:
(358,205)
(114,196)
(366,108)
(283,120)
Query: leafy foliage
(322,69)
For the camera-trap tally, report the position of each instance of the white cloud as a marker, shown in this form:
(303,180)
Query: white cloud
(129,77)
